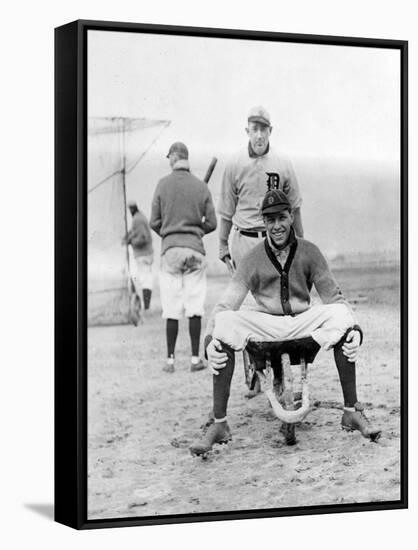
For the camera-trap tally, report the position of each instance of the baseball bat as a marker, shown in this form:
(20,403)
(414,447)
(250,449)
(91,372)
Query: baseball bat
(210,169)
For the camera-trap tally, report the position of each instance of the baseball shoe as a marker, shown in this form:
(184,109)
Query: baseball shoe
(168,367)
(197,366)
(218,432)
(357,420)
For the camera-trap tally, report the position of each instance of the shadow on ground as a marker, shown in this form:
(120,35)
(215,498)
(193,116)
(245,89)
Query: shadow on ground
(45,510)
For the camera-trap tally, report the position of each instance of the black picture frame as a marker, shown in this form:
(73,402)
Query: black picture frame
(71,271)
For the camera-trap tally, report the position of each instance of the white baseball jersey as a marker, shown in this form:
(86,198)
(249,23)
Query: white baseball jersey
(244,185)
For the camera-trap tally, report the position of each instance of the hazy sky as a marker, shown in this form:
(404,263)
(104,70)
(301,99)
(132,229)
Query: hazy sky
(324,100)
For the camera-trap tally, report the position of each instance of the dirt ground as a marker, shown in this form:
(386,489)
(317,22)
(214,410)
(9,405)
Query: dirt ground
(142,421)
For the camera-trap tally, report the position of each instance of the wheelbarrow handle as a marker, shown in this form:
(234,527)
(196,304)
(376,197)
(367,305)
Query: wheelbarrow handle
(230,265)
(290,416)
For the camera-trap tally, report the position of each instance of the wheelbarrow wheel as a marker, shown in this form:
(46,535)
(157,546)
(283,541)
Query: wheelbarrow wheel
(135,307)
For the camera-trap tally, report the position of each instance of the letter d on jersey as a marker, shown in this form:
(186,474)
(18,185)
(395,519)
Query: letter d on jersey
(273,180)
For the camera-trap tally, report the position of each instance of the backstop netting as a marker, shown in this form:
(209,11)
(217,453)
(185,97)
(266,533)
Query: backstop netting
(115,147)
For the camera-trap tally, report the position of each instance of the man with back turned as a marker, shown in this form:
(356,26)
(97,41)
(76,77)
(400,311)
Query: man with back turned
(182,213)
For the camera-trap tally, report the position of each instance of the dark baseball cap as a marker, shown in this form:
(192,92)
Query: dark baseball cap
(179,148)
(275,201)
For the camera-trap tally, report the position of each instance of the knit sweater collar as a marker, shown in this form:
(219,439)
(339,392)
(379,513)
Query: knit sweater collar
(182,164)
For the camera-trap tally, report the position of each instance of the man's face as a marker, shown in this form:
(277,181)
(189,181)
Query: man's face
(278,227)
(259,135)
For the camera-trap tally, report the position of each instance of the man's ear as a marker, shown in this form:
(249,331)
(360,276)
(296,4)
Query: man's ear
(271,129)
(292,217)
(247,131)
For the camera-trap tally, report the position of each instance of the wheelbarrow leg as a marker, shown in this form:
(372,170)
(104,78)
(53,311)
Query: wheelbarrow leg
(287,429)
(251,376)
(135,309)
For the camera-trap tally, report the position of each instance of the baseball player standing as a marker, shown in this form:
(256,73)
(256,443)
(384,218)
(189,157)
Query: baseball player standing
(182,213)
(247,177)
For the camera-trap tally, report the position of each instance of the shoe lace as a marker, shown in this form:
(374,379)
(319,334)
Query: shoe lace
(360,409)
(206,425)
(363,414)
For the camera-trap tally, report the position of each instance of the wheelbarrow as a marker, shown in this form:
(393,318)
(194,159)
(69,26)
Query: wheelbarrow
(271,363)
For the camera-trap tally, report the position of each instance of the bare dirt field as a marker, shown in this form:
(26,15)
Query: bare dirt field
(141,422)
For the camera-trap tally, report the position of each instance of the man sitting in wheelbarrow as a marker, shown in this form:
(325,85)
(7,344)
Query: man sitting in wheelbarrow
(280,272)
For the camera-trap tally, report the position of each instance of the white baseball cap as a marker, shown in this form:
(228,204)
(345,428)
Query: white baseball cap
(259,114)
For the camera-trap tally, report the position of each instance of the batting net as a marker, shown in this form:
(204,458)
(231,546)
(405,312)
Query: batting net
(115,147)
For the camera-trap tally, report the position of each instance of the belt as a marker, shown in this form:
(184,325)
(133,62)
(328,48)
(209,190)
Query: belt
(254,234)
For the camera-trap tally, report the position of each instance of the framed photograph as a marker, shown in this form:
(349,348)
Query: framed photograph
(231,274)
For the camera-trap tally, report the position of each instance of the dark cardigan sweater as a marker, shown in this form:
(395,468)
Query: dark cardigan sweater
(280,290)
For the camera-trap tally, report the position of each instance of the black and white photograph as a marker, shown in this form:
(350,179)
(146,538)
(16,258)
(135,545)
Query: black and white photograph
(109,369)
(244,274)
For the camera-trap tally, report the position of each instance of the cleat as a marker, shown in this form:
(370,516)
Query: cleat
(218,432)
(357,420)
(198,366)
(168,367)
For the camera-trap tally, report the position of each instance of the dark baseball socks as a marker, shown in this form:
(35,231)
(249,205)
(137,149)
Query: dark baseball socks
(172,329)
(222,385)
(195,326)
(347,374)
(146,295)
